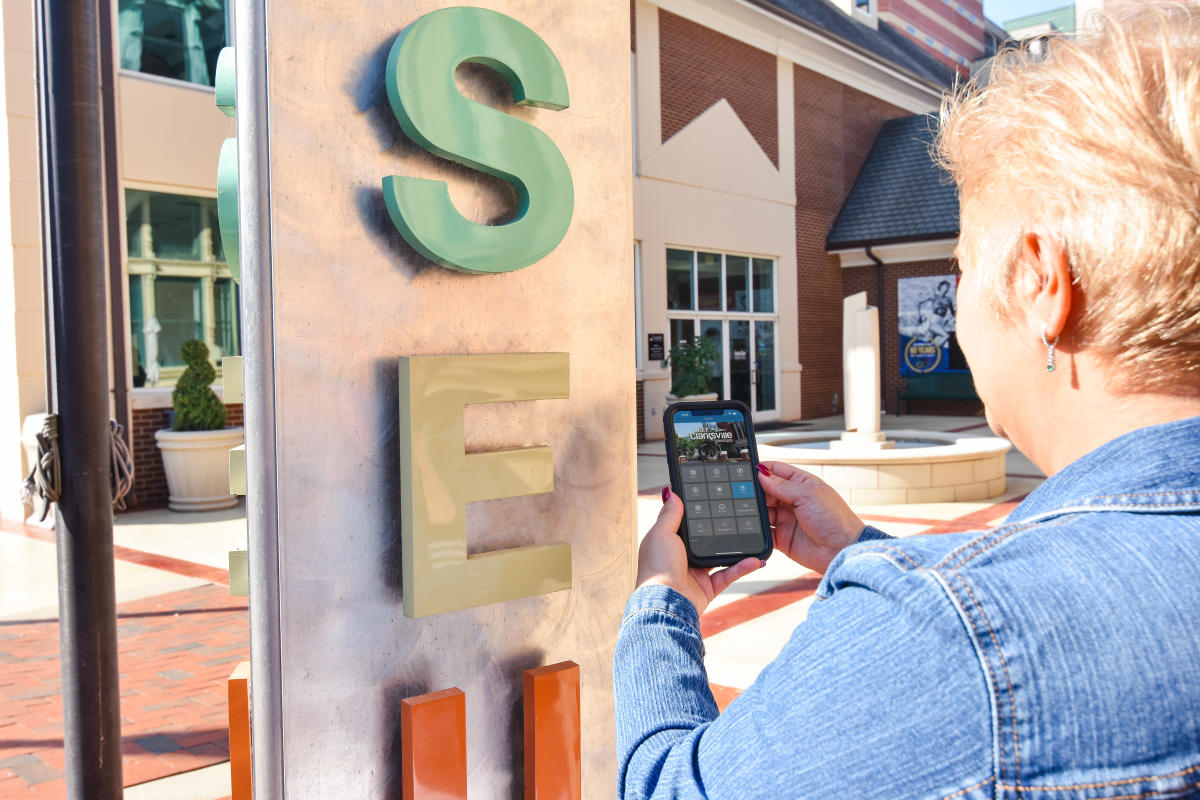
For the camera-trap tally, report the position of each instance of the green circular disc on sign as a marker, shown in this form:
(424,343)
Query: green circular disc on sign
(225,82)
(227,205)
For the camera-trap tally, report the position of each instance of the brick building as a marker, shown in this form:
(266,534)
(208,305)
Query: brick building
(753,119)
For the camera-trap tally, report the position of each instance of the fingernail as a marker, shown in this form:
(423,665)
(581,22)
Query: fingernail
(763,469)
(666,493)
(762,563)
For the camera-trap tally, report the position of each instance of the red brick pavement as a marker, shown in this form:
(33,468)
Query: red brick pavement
(175,652)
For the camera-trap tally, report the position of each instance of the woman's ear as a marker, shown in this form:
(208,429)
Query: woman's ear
(1043,282)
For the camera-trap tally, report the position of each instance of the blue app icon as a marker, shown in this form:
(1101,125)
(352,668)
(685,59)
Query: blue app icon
(743,489)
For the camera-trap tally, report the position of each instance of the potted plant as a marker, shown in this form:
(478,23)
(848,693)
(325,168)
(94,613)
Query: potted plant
(691,369)
(195,450)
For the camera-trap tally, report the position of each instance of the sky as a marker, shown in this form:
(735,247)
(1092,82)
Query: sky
(1000,10)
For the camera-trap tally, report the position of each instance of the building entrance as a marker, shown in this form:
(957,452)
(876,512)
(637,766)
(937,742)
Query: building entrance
(730,299)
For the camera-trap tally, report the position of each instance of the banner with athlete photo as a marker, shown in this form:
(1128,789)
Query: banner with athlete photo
(928,342)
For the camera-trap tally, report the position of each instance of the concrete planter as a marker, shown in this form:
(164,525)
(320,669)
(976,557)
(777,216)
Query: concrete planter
(197,467)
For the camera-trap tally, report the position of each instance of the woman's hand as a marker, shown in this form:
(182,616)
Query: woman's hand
(663,559)
(811,521)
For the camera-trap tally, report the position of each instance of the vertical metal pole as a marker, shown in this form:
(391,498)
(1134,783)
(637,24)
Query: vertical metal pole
(112,194)
(258,352)
(74,244)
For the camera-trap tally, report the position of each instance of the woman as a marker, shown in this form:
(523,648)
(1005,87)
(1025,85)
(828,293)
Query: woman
(1058,655)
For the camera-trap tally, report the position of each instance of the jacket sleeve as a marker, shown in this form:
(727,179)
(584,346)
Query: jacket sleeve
(879,693)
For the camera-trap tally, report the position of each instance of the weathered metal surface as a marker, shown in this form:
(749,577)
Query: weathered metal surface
(348,298)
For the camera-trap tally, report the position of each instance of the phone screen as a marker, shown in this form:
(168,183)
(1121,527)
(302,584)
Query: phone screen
(713,461)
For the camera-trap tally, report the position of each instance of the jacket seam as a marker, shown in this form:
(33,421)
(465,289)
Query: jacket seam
(652,610)
(961,792)
(1153,793)
(1150,494)
(1012,702)
(992,538)
(1046,516)
(1107,784)
(945,562)
(1082,506)
(885,550)
(991,677)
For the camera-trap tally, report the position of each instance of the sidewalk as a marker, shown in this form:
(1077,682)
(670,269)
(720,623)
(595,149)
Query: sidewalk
(180,633)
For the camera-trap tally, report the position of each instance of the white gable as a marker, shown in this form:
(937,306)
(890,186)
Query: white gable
(716,151)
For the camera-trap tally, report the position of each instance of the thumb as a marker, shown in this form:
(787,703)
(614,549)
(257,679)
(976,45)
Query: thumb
(786,491)
(669,516)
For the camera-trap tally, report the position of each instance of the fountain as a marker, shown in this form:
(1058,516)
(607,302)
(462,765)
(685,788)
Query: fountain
(869,467)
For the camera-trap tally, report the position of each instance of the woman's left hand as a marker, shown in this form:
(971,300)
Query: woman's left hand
(663,559)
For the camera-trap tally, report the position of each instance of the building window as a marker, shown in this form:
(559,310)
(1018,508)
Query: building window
(730,299)
(177,39)
(179,285)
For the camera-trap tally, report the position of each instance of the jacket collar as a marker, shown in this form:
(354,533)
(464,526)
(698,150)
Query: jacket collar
(1150,470)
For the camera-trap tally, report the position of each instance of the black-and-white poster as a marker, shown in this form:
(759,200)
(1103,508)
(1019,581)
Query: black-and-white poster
(928,341)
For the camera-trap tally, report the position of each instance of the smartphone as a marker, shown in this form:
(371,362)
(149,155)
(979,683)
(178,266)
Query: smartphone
(713,464)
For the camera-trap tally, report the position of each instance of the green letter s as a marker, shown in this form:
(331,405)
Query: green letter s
(435,115)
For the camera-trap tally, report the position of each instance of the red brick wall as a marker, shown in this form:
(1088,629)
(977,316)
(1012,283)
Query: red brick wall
(149,480)
(865,279)
(835,127)
(944,22)
(699,66)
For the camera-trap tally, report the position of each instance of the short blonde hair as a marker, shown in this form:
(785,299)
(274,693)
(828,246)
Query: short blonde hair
(1097,143)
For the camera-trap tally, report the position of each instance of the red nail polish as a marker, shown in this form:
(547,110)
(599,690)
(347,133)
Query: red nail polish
(763,469)
(762,562)
(666,493)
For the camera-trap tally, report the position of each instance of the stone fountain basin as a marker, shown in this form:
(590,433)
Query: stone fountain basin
(924,467)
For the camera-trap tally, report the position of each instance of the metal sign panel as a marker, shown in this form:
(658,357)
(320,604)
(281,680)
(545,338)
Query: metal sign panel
(342,307)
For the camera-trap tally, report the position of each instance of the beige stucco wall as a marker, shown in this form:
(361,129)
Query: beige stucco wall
(170,133)
(351,297)
(22,347)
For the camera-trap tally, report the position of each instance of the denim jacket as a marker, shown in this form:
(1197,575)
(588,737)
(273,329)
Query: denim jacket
(1055,656)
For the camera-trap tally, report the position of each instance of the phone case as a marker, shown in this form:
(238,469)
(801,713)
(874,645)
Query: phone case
(677,486)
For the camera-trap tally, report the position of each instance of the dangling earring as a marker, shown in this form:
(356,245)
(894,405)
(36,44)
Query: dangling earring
(1049,349)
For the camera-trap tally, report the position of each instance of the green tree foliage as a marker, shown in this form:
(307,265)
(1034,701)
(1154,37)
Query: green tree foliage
(197,407)
(691,366)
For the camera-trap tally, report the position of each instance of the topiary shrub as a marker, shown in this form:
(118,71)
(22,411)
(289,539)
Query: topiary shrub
(691,366)
(197,407)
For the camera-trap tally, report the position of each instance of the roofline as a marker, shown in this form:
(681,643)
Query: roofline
(836,247)
(811,27)
(904,253)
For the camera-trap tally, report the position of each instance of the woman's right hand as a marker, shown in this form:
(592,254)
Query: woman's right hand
(811,521)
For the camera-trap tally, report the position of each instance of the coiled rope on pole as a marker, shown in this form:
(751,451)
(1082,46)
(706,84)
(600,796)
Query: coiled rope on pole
(122,465)
(45,479)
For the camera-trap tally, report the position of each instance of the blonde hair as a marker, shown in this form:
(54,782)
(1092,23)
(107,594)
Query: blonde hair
(1096,143)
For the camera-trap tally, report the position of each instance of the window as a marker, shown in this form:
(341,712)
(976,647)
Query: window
(179,285)
(729,299)
(721,282)
(172,38)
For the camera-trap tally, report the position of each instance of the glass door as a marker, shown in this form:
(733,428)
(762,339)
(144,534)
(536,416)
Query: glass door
(764,367)
(741,375)
(730,299)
